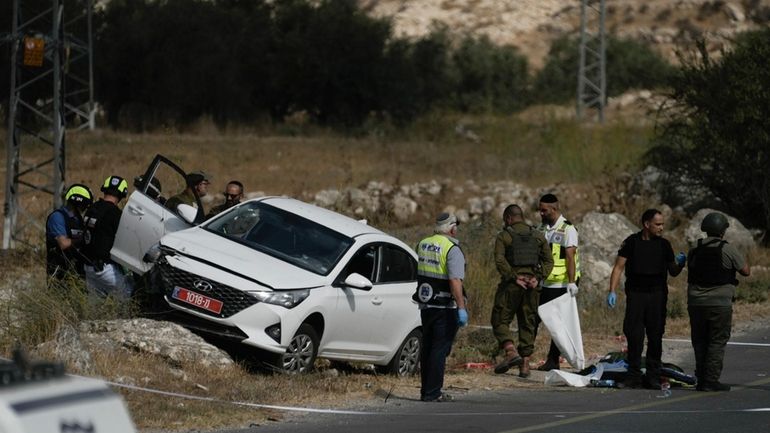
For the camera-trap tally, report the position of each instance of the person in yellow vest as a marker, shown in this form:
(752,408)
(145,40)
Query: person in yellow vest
(563,240)
(441,299)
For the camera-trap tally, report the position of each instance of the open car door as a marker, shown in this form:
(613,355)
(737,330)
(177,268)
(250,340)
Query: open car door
(145,219)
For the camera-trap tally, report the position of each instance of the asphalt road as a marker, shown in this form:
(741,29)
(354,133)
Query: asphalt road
(744,409)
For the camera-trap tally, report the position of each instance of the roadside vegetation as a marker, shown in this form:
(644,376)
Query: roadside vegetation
(510,149)
(289,125)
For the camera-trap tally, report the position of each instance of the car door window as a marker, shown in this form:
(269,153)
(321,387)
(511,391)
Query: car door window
(395,265)
(362,263)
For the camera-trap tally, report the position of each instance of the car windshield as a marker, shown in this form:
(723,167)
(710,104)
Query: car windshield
(283,235)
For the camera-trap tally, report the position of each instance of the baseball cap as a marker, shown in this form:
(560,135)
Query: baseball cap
(196,177)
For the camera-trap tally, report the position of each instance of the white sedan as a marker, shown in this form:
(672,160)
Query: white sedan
(291,279)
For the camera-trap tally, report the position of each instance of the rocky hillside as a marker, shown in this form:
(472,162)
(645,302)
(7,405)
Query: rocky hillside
(531,25)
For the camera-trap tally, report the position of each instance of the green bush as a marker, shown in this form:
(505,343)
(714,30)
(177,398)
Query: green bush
(491,78)
(630,65)
(752,292)
(716,134)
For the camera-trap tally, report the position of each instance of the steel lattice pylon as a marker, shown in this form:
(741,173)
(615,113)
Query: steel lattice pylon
(592,77)
(51,88)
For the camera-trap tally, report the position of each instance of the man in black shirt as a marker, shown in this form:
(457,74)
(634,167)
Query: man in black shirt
(233,195)
(103,276)
(647,259)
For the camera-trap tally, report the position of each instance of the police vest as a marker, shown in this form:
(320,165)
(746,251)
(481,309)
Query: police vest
(432,275)
(559,252)
(524,250)
(59,261)
(100,221)
(705,264)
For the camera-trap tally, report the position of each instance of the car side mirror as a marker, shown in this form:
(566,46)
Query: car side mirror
(187,212)
(358,281)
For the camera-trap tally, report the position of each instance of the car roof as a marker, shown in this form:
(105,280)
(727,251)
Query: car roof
(335,221)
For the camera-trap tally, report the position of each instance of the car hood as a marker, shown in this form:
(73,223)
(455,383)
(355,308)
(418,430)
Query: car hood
(238,259)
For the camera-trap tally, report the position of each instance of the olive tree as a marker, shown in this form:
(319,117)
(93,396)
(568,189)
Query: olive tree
(715,130)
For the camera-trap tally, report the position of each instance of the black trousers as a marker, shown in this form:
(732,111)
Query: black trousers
(548,294)
(709,332)
(645,314)
(439,327)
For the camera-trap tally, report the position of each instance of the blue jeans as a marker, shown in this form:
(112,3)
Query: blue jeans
(439,327)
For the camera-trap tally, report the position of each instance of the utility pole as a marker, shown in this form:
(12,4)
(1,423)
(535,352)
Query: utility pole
(51,87)
(592,76)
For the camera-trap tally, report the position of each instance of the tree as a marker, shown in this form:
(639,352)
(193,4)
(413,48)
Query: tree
(491,77)
(630,65)
(716,132)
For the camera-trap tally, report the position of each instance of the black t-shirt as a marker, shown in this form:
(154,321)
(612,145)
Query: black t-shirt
(646,262)
(101,223)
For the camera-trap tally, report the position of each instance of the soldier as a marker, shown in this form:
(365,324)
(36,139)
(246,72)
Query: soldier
(713,264)
(523,259)
(197,184)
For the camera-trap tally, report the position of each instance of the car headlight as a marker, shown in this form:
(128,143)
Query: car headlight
(284,298)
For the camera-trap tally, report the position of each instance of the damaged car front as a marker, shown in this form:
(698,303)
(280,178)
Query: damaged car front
(286,277)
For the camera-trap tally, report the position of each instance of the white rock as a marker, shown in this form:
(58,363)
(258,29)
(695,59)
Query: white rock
(327,198)
(735,12)
(403,207)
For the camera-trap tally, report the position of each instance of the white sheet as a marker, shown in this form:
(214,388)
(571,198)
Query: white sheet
(561,318)
(558,377)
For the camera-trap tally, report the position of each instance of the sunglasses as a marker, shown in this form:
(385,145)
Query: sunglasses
(231,196)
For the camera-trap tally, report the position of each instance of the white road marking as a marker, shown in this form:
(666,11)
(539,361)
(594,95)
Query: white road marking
(729,343)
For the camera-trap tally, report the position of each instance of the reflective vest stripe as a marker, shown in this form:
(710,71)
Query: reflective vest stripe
(559,273)
(432,255)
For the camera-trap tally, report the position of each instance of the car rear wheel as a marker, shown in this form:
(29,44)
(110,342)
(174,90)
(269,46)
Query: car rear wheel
(301,353)
(406,361)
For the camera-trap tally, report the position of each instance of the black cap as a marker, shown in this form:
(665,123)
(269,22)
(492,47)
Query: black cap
(548,198)
(196,177)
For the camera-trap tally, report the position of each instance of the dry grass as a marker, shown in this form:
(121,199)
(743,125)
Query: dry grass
(299,166)
(535,150)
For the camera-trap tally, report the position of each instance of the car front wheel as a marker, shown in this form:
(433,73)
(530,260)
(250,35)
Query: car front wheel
(301,353)
(407,359)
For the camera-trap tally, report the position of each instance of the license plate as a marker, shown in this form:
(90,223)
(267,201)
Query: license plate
(198,300)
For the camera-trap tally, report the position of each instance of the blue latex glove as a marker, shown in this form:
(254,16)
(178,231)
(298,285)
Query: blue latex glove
(462,317)
(681,259)
(612,299)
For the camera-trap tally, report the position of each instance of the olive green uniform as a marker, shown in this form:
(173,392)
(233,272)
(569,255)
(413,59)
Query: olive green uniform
(710,310)
(184,197)
(513,300)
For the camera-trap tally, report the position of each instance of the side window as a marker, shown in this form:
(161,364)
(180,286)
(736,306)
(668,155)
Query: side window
(162,181)
(363,262)
(396,265)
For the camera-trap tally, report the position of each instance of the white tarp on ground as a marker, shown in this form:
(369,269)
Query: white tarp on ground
(561,318)
(558,377)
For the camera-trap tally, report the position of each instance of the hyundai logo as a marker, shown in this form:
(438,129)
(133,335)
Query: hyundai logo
(202,285)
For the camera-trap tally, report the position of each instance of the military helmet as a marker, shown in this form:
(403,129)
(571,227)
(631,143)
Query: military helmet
(714,224)
(115,185)
(79,195)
